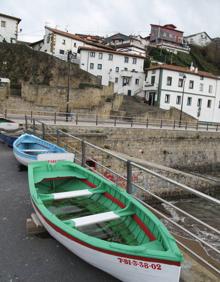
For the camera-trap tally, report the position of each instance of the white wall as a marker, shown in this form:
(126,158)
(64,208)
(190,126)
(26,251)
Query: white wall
(208,114)
(109,73)
(9,32)
(200,39)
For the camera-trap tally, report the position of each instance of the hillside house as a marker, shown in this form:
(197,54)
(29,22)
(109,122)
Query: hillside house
(196,92)
(168,37)
(125,70)
(201,39)
(8,28)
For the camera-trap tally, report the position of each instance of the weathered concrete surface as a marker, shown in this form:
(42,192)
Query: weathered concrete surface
(26,258)
(189,150)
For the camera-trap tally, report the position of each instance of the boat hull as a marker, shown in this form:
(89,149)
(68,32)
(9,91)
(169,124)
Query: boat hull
(22,160)
(124,267)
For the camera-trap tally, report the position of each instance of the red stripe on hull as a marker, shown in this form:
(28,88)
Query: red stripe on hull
(71,237)
(122,205)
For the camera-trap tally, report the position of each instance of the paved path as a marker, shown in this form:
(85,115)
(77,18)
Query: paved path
(26,258)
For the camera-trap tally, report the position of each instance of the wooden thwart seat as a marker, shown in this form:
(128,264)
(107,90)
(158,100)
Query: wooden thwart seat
(71,194)
(95,218)
(35,150)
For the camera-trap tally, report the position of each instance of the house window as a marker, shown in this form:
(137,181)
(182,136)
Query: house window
(125,81)
(117,69)
(152,79)
(99,66)
(116,80)
(210,88)
(191,84)
(169,80)
(64,42)
(137,81)
(74,44)
(92,54)
(3,23)
(199,103)
(153,71)
(125,69)
(134,61)
(209,103)
(180,82)
(201,86)
(62,52)
(189,101)
(48,38)
(110,57)
(167,98)
(91,66)
(201,77)
(126,60)
(178,100)
(100,56)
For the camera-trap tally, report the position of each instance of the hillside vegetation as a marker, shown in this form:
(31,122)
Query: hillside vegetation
(205,58)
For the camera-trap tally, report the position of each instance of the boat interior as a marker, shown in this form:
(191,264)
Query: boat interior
(95,209)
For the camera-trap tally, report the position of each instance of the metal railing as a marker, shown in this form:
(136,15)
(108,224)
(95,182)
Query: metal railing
(86,119)
(124,177)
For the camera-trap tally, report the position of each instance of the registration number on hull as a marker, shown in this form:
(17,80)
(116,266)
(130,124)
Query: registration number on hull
(138,263)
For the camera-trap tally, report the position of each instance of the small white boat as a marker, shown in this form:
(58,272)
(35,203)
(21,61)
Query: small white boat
(7,124)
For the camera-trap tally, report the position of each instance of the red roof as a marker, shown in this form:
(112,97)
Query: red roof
(167,26)
(10,17)
(184,70)
(77,37)
(110,51)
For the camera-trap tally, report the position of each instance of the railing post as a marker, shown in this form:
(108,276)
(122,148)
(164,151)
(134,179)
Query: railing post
(34,127)
(26,122)
(131,122)
(55,118)
(5,113)
(43,130)
(129,177)
(77,118)
(217,127)
(58,137)
(96,119)
(197,125)
(174,124)
(186,126)
(207,127)
(83,148)
(31,116)
(161,123)
(147,123)
(115,121)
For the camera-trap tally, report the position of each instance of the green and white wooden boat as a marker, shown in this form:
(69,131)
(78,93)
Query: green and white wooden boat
(102,224)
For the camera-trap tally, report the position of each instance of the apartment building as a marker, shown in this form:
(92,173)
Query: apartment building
(196,92)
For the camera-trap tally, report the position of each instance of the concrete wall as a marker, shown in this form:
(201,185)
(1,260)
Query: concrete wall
(177,149)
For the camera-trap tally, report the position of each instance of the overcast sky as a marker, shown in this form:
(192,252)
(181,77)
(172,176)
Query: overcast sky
(106,17)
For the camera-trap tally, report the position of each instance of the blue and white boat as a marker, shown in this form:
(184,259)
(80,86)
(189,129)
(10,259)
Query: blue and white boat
(29,148)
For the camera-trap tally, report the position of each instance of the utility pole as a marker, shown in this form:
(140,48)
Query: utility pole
(181,110)
(68,87)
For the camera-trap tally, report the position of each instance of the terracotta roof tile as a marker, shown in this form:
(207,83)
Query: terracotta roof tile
(184,70)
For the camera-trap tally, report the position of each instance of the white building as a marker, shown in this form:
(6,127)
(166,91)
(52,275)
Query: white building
(125,70)
(8,28)
(200,39)
(58,43)
(196,92)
